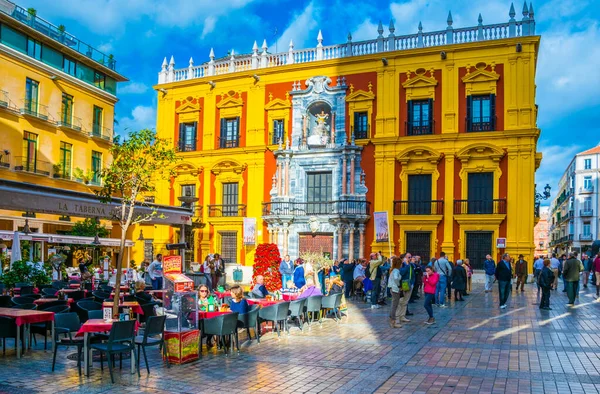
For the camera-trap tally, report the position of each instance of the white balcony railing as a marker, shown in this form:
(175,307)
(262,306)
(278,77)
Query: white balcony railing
(263,59)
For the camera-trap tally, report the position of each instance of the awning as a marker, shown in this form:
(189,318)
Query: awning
(26,197)
(62,239)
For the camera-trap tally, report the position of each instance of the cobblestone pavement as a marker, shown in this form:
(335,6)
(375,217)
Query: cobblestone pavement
(473,348)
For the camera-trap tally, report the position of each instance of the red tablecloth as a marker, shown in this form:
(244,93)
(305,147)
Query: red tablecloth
(208,315)
(24,316)
(223,294)
(98,325)
(127,304)
(262,302)
(42,301)
(74,285)
(290,296)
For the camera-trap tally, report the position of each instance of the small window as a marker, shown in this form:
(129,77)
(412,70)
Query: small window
(31,96)
(587,228)
(99,80)
(66,152)
(66,112)
(230,134)
(230,199)
(187,136)
(97,121)
(29,160)
(587,182)
(188,191)
(587,204)
(481,112)
(96,166)
(69,66)
(587,164)
(420,117)
(34,48)
(278,131)
(361,125)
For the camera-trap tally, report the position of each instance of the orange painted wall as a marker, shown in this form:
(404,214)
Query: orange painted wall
(368,166)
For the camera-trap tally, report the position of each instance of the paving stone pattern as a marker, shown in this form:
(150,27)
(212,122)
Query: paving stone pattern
(474,347)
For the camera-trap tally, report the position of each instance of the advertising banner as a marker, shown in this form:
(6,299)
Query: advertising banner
(249,231)
(382,228)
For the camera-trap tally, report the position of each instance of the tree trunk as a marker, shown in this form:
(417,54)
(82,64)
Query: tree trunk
(116,298)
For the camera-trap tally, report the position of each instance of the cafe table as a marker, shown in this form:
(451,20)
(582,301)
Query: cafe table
(290,296)
(26,317)
(94,326)
(42,301)
(126,304)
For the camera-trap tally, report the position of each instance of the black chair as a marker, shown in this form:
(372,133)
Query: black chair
(84,306)
(77,295)
(59,285)
(153,336)
(22,300)
(129,298)
(66,324)
(106,288)
(50,291)
(43,328)
(34,296)
(96,314)
(297,312)
(100,296)
(250,320)
(50,304)
(25,306)
(5,301)
(277,313)
(222,326)
(313,305)
(120,340)
(42,287)
(148,310)
(331,302)
(8,329)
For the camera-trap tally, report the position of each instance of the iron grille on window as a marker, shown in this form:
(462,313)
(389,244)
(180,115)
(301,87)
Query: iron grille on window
(420,117)
(187,136)
(361,125)
(481,112)
(278,131)
(229,246)
(230,133)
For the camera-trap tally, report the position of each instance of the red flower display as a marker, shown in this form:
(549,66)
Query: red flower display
(266,263)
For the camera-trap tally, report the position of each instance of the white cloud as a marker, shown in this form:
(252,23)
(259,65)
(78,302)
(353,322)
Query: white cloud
(142,117)
(133,88)
(302,30)
(209,25)
(106,47)
(367,30)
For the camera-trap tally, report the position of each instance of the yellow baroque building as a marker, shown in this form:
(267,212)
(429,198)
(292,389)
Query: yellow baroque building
(57,98)
(438,130)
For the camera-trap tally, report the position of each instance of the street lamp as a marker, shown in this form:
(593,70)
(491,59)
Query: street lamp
(545,195)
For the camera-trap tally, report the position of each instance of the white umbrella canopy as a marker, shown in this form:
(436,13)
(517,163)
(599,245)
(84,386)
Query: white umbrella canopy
(16,249)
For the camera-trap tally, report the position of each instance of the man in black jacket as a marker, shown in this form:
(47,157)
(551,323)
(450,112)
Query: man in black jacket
(504,276)
(545,281)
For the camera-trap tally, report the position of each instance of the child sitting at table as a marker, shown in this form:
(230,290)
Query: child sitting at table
(205,298)
(238,303)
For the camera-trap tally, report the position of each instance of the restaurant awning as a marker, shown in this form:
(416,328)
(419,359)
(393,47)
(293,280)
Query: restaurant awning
(62,239)
(27,197)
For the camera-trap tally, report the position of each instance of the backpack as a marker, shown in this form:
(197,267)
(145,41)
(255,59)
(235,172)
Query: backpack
(368,271)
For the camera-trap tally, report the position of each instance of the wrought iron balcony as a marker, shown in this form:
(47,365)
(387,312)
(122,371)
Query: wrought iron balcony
(360,133)
(483,123)
(405,207)
(419,128)
(232,210)
(104,133)
(586,189)
(35,109)
(73,124)
(586,237)
(341,207)
(186,147)
(229,143)
(586,212)
(27,164)
(480,207)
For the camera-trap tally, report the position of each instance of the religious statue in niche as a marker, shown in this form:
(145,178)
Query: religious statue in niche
(319,134)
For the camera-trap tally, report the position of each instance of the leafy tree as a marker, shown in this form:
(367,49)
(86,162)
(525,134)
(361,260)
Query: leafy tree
(21,271)
(89,228)
(138,162)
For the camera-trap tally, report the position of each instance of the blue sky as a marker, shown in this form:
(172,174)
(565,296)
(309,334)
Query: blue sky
(140,33)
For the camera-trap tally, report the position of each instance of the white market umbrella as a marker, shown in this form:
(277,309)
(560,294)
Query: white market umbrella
(16,249)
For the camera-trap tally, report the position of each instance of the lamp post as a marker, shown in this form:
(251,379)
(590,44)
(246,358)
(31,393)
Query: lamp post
(186,202)
(541,196)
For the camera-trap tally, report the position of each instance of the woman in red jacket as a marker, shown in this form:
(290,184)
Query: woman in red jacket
(430,281)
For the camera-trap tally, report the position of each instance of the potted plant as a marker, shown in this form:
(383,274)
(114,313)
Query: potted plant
(85,176)
(61,33)
(31,14)
(111,61)
(57,170)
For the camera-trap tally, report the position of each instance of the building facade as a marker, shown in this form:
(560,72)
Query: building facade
(574,221)
(541,233)
(57,98)
(438,130)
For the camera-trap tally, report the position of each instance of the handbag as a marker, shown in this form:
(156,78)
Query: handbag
(406,283)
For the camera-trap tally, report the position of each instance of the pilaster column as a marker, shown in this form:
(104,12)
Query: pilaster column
(352,174)
(361,241)
(344,181)
(275,234)
(351,242)
(340,246)
(448,243)
(332,142)
(287,176)
(304,120)
(278,179)
(285,239)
